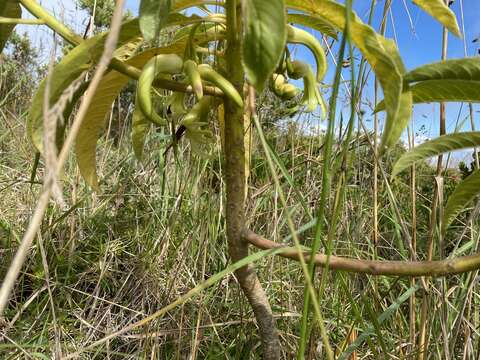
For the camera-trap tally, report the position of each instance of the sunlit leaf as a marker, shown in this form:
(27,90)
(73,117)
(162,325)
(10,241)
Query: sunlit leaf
(435,147)
(463,194)
(153,17)
(314,22)
(394,127)
(81,58)
(8,9)
(456,69)
(264,39)
(441,12)
(382,56)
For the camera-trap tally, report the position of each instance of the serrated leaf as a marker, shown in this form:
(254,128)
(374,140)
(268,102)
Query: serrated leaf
(435,147)
(153,17)
(382,55)
(455,69)
(140,127)
(463,194)
(264,40)
(314,22)
(441,12)
(80,59)
(8,9)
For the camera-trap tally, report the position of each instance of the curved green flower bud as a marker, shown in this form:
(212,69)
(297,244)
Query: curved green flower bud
(283,89)
(191,70)
(208,74)
(299,36)
(160,64)
(289,91)
(311,94)
(195,122)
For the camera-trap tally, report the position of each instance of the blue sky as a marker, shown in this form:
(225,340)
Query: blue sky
(418,37)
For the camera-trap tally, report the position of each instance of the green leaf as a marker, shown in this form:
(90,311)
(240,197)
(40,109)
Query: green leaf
(381,54)
(442,91)
(441,12)
(394,127)
(314,22)
(435,147)
(264,40)
(456,69)
(94,123)
(446,91)
(8,9)
(153,17)
(463,194)
(80,59)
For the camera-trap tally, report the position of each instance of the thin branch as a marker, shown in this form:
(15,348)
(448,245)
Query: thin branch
(375,267)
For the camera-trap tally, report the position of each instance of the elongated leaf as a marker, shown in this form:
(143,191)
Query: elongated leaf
(8,9)
(437,146)
(446,91)
(456,69)
(81,58)
(153,17)
(314,22)
(94,123)
(463,194)
(385,62)
(441,12)
(140,126)
(394,127)
(264,40)
(442,91)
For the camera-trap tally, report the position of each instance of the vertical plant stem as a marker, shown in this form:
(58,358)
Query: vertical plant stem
(235,183)
(422,337)
(325,190)
(413,255)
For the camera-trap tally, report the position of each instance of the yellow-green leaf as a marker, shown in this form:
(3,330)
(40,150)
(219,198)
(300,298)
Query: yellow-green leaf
(455,69)
(446,91)
(153,17)
(437,146)
(8,9)
(384,61)
(394,126)
(441,12)
(264,39)
(314,22)
(81,58)
(463,194)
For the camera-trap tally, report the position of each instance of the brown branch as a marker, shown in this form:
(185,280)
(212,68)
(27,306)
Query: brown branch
(375,267)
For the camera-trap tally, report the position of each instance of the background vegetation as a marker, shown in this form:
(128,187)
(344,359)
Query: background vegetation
(157,229)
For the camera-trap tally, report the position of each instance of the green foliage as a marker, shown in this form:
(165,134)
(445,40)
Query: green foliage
(441,12)
(102,10)
(8,9)
(437,146)
(262,51)
(464,193)
(153,17)
(454,69)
